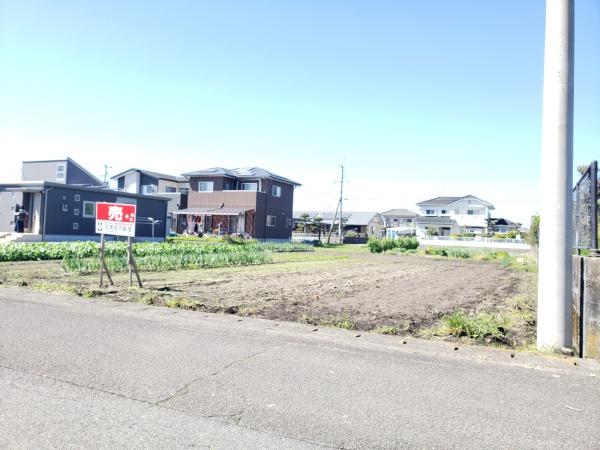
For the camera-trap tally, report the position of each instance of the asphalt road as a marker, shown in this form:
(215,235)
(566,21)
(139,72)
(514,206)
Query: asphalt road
(77,373)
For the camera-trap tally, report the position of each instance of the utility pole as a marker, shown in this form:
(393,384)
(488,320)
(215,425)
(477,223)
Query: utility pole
(555,272)
(106,167)
(340,226)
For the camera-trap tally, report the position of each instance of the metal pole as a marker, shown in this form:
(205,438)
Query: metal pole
(101,258)
(555,263)
(129,260)
(340,226)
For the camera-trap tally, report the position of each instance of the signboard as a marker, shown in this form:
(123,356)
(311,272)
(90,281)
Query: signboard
(117,219)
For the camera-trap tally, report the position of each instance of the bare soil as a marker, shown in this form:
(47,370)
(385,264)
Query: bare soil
(352,290)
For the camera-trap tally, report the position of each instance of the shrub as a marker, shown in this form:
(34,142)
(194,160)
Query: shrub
(407,243)
(374,245)
(351,234)
(387,244)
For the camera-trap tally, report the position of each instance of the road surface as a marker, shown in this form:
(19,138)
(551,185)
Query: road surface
(86,373)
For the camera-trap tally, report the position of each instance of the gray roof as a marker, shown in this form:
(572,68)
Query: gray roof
(400,213)
(435,220)
(241,173)
(503,221)
(437,201)
(162,176)
(350,218)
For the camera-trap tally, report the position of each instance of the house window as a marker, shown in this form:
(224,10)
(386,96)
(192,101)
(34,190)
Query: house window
(249,186)
(65,207)
(121,183)
(271,221)
(429,212)
(444,211)
(205,186)
(229,186)
(76,211)
(77,197)
(89,210)
(148,189)
(276,191)
(473,212)
(170,189)
(76,225)
(60,172)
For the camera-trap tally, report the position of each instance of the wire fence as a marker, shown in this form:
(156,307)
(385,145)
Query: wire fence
(585,210)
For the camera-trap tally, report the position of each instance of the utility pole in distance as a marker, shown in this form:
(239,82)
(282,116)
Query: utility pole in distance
(340,225)
(106,167)
(555,264)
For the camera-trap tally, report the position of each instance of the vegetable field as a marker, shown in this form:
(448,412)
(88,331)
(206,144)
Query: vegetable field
(83,256)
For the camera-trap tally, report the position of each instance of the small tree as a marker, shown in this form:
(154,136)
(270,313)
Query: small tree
(304,218)
(317,221)
(533,237)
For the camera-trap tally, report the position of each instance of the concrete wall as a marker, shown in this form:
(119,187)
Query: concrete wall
(8,200)
(586,300)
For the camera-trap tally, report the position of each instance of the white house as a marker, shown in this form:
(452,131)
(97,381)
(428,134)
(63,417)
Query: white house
(450,215)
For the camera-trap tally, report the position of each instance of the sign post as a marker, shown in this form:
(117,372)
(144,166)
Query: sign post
(117,219)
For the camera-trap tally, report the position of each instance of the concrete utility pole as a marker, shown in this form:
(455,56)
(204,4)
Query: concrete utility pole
(341,226)
(554,279)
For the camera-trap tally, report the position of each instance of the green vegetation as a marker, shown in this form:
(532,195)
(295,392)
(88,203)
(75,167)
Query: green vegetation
(525,263)
(376,245)
(161,262)
(386,329)
(460,324)
(512,324)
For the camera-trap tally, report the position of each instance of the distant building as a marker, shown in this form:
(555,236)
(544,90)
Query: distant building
(364,224)
(450,215)
(501,225)
(60,198)
(398,218)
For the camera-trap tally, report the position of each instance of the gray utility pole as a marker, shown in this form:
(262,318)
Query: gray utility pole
(554,278)
(340,226)
(106,167)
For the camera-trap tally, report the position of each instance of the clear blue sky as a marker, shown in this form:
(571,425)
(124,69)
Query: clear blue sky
(418,98)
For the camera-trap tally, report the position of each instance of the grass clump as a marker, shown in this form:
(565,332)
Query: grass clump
(386,329)
(476,326)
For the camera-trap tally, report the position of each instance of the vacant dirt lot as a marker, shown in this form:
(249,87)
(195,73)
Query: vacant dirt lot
(346,288)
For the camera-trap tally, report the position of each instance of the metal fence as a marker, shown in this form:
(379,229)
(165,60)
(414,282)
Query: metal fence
(585,210)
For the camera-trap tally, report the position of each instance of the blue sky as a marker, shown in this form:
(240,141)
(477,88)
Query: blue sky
(416,98)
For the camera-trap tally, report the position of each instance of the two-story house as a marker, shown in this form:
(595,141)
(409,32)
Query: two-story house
(399,218)
(249,201)
(449,215)
(147,182)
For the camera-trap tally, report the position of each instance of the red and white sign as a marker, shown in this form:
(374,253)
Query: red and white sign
(117,219)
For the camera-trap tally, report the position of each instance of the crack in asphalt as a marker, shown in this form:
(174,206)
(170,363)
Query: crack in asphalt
(236,416)
(185,389)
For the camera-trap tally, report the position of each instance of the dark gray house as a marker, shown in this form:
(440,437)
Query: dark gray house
(61,203)
(249,201)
